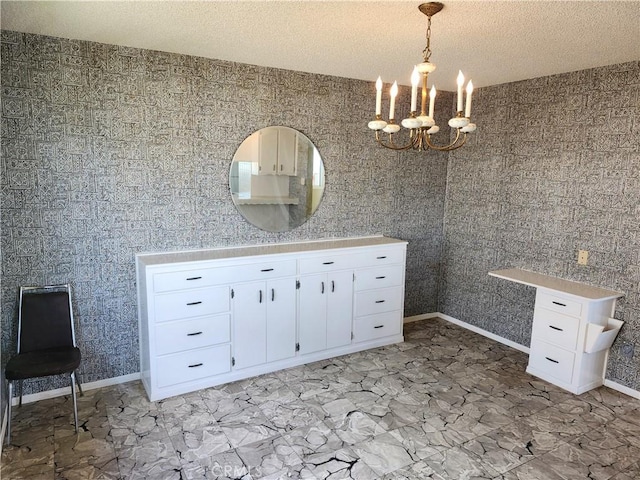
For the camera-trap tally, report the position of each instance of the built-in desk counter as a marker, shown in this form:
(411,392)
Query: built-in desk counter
(572,329)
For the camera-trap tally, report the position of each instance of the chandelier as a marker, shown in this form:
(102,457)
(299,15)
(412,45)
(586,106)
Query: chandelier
(422,126)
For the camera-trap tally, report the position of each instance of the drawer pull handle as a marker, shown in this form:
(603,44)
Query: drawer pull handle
(194,303)
(556,328)
(379,301)
(195,365)
(333,286)
(378,326)
(194,278)
(552,360)
(260,298)
(561,304)
(380,278)
(328,263)
(322,290)
(382,257)
(193,334)
(267,270)
(273,294)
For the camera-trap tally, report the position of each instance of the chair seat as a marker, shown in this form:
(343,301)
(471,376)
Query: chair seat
(42,363)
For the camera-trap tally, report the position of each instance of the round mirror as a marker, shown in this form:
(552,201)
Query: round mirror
(276,179)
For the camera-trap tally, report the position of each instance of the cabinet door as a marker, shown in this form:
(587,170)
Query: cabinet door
(268,151)
(339,309)
(281,319)
(312,326)
(249,324)
(287,153)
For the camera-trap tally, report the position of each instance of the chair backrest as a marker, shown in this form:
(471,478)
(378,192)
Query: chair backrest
(45,318)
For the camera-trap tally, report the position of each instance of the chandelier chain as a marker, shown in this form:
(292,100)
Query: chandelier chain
(426,53)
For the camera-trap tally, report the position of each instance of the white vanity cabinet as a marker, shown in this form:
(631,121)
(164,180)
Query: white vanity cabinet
(214,316)
(564,314)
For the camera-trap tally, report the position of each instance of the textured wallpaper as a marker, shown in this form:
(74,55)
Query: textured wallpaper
(554,168)
(110,151)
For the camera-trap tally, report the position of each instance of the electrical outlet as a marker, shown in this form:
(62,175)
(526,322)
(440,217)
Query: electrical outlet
(583,257)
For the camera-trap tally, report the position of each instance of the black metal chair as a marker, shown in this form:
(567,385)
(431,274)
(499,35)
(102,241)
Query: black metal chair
(46,341)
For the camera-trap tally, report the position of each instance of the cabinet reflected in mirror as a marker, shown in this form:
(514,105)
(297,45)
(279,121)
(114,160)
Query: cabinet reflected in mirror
(276,179)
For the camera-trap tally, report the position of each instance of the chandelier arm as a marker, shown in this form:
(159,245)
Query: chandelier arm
(451,146)
(393,146)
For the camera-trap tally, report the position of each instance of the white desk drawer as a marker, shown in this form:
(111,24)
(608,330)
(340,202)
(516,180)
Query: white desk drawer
(192,365)
(377,326)
(371,302)
(379,277)
(551,360)
(192,303)
(556,328)
(199,332)
(558,304)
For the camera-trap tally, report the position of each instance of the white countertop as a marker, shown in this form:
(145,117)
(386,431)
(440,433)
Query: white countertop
(556,284)
(254,250)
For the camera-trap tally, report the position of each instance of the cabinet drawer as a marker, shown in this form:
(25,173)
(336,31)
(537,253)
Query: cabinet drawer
(199,332)
(377,326)
(191,303)
(556,328)
(261,271)
(377,301)
(327,263)
(192,365)
(551,360)
(559,304)
(380,256)
(379,277)
(167,282)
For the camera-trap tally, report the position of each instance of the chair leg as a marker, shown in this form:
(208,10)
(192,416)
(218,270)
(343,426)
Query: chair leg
(79,387)
(20,389)
(9,402)
(75,402)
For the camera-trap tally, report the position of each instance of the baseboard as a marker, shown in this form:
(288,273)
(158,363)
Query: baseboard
(622,389)
(484,333)
(59,392)
(424,316)
(3,430)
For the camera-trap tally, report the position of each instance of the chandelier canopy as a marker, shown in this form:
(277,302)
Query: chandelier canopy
(422,126)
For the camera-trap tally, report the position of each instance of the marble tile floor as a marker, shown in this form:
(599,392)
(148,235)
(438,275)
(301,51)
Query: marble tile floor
(445,404)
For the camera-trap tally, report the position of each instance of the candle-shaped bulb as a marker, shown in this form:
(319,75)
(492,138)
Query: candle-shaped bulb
(460,83)
(415,80)
(394,93)
(467,110)
(432,100)
(378,96)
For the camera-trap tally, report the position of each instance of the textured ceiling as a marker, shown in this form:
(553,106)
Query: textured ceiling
(491,41)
